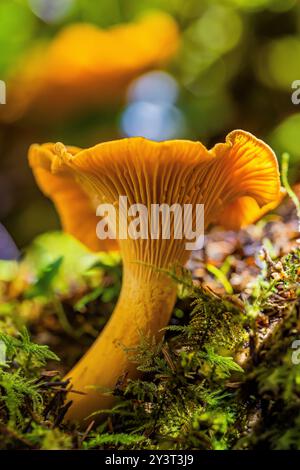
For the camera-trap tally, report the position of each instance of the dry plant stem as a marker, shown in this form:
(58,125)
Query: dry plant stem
(139,313)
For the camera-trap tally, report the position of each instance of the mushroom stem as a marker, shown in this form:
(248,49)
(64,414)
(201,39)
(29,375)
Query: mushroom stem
(139,312)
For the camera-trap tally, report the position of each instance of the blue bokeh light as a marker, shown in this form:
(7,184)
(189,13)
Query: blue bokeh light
(8,249)
(154,87)
(51,11)
(151,110)
(153,121)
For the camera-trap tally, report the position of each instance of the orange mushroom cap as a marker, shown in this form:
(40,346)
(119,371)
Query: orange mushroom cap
(238,181)
(246,210)
(85,66)
(75,207)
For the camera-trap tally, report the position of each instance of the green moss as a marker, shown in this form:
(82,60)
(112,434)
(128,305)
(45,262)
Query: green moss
(223,377)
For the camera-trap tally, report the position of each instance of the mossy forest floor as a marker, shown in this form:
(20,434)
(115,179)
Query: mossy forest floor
(225,377)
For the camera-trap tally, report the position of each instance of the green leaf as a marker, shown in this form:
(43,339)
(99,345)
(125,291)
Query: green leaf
(80,305)
(41,262)
(43,286)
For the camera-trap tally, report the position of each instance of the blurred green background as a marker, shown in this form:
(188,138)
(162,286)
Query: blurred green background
(234,69)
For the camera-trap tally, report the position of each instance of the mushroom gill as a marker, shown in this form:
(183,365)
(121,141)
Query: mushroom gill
(242,169)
